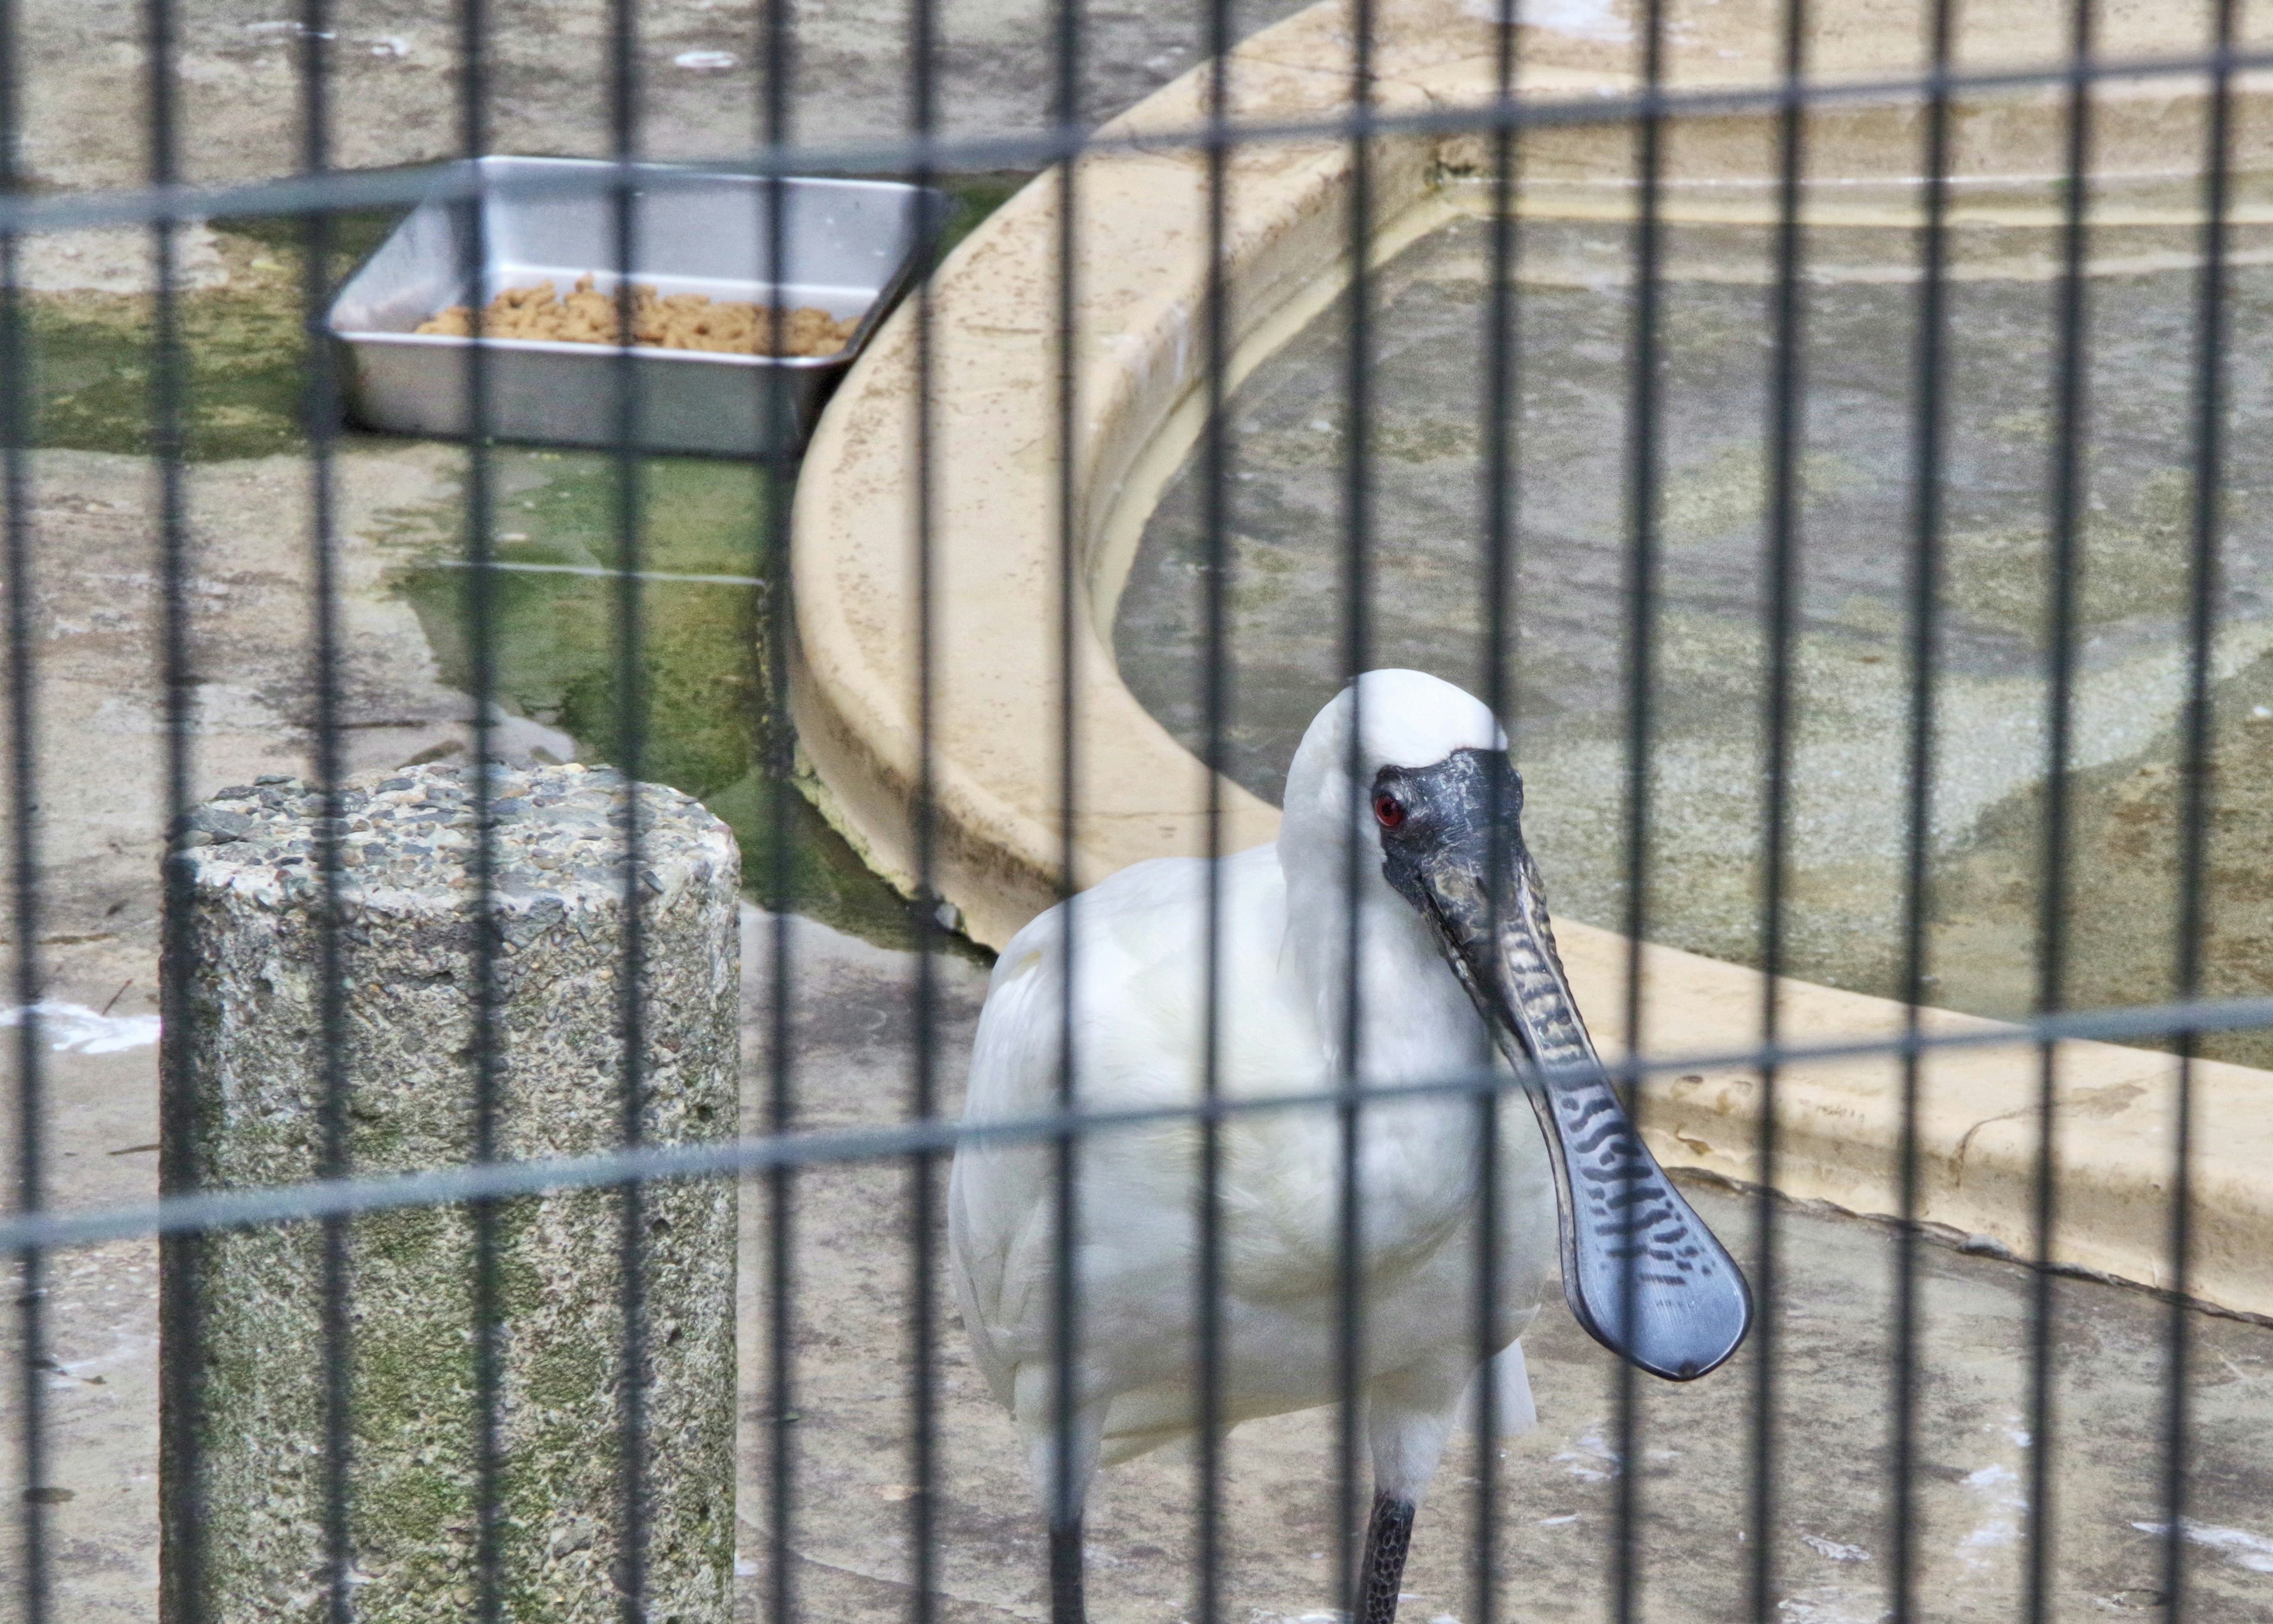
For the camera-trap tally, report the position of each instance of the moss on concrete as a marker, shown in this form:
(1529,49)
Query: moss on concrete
(706,724)
(2131,549)
(246,1068)
(973,198)
(1426,439)
(1728,488)
(95,365)
(708,721)
(244,357)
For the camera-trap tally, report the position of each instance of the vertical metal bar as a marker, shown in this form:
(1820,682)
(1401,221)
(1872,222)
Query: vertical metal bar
(490,1526)
(923,1169)
(2066,497)
(2195,744)
(182,1256)
(1642,452)
(1065,1493)
(776,46)
(1925,639)
(24,830)
(631,725)
(1502,413)
(1357,586)
(320,410)
(1215,585)
(1786,426)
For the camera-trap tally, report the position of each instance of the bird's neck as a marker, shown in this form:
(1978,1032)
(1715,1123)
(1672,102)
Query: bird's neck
(1402,1017)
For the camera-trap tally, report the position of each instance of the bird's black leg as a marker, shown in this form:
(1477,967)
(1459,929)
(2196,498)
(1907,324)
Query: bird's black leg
(1386,1538)
(1068,1605)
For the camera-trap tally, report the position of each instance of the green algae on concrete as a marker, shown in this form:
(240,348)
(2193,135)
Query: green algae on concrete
(247,1069)
(244,357)
(971,198)
(2126,836)
(708,725)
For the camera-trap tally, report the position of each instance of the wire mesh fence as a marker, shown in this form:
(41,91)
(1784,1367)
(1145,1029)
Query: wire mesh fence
(1818,452)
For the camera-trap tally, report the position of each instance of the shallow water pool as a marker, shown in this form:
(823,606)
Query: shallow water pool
(1570,612)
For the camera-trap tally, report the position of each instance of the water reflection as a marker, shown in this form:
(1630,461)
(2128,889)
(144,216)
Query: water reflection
(704,715)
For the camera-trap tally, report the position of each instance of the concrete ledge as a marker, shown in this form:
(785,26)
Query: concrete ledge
(1013,580)
(1840,1123)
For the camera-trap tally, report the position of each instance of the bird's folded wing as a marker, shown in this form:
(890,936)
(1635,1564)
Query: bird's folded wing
(1000,1190)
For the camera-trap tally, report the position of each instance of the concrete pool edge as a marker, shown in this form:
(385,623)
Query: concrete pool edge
(1000,596)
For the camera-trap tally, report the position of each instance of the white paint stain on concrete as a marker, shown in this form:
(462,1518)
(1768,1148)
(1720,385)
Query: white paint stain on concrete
(1999,1485)
(2237,1545)
(1590,1458)
(74,1029)
(1834,1549)
(1831,1605)
(1574,19)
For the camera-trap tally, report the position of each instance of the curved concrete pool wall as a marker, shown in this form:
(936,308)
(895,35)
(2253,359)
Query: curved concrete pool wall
(1003,582)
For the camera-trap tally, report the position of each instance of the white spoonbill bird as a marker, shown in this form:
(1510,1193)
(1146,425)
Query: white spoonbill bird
(1454,956)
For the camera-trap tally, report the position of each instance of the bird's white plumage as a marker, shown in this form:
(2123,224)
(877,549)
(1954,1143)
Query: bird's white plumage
(1137,1009)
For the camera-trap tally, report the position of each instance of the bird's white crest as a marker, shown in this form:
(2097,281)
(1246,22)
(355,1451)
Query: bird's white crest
(1404,719)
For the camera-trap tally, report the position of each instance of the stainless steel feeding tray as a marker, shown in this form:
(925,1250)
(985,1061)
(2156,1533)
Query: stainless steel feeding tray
(850,248)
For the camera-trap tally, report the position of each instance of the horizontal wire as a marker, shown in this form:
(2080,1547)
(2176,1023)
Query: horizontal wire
(463,182)
(326,1198)
(595,570)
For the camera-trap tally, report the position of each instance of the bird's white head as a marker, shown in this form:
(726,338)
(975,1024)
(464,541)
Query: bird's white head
(1330,849)
(1402,719)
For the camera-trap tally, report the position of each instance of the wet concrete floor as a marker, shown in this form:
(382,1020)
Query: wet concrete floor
(1569,613)
(96,617)
(1687,1463)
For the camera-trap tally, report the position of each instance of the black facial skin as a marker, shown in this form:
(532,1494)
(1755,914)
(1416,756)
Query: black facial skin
(1641,1271)
(1437,822)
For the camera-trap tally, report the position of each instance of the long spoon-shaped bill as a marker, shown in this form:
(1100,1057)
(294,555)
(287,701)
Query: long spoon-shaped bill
(1643,1273)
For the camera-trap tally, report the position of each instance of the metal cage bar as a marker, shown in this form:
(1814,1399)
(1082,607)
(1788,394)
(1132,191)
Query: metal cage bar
(24,771)
(2204,543)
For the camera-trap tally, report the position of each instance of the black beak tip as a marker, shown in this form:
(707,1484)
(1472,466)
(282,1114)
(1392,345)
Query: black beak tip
(1669,1353)
(1682,1370)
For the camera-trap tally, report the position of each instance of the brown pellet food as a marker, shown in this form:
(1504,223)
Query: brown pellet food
(683,321)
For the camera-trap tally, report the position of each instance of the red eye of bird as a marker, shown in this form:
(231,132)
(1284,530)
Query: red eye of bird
(1390,810)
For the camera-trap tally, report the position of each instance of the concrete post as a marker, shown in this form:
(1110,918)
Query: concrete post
(243,1323)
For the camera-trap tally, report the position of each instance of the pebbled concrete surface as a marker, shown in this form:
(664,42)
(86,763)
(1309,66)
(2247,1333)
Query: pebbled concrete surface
(848,1539)
(252,1064)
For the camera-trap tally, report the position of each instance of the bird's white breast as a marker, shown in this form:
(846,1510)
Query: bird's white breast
(1138,1016)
